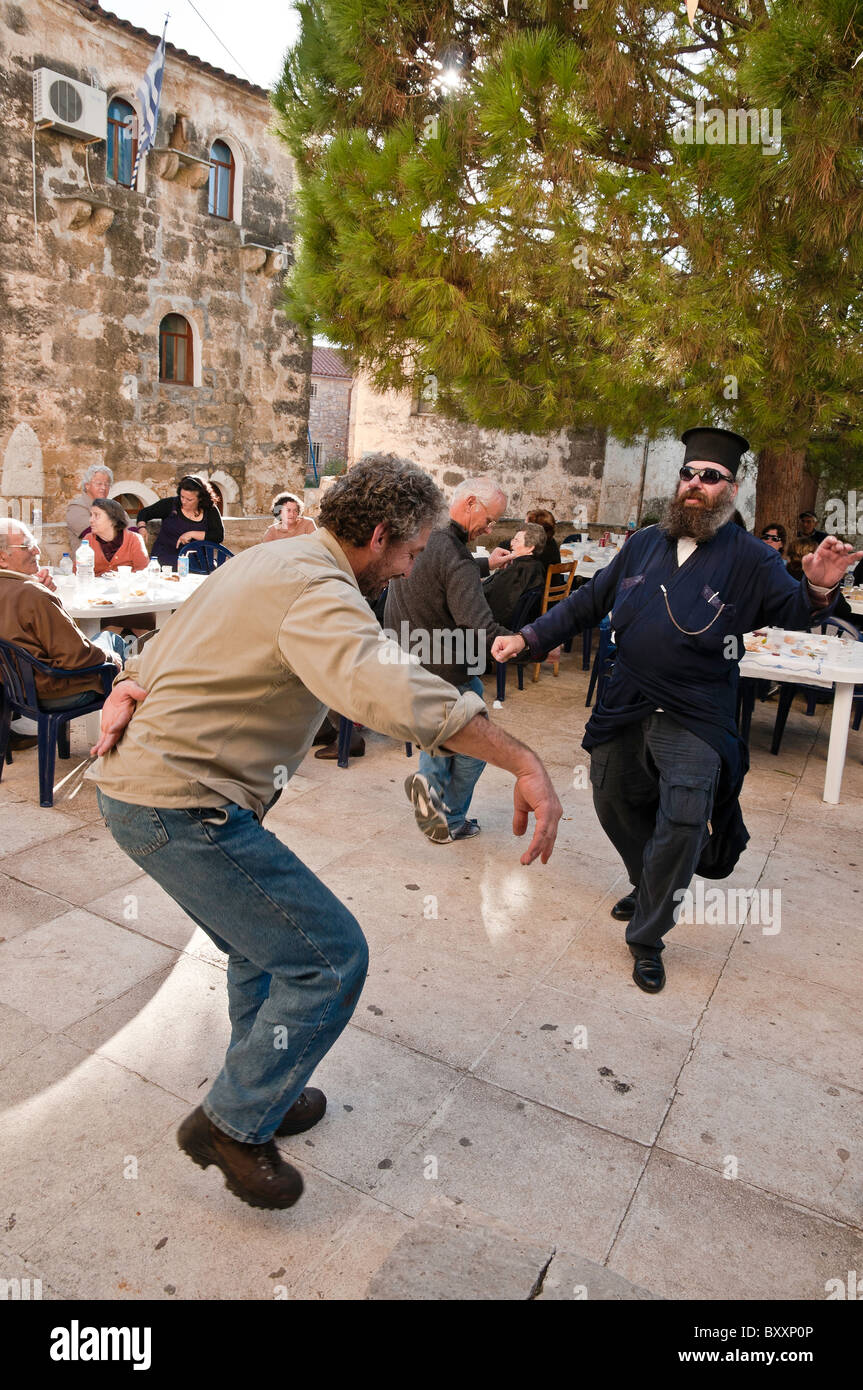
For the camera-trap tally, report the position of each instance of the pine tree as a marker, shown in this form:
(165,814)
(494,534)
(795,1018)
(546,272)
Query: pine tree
(497,194)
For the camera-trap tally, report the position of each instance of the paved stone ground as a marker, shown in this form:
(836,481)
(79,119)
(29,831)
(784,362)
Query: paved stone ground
(470,1150)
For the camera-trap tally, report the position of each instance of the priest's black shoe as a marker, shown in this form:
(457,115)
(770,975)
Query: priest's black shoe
(256,1173)
(305,1112)
(624,908)
(649,972)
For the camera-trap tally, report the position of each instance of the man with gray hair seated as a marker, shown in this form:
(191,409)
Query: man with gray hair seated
(440,614)
(97,482)
(32,616)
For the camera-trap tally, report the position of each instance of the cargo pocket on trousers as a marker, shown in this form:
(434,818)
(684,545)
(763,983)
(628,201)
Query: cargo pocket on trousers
(688,800)
(599,757)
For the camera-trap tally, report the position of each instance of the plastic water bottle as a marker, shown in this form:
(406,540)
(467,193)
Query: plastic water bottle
(66,566)
(183,566)
(85,565)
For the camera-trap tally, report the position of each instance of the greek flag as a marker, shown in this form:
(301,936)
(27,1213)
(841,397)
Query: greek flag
(148,95)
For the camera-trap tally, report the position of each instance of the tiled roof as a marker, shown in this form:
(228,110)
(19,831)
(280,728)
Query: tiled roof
(93,11)
(325,362)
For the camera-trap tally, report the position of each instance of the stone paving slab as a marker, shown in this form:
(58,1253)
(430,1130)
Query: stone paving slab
(786,1132)
(378,1096)
(25,907)
(70,1120)
(589,1061)
(18,1033)
(461,1260)
(23,825)
(176,1232)
(437,1002)
(172,1028)
(691,1233)
(572,1278)
(61,971)
(598,966)
(83,862)
(542,1172)
(145,907)
(775,1016)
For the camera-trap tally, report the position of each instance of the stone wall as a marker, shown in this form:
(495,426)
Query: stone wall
(561,471)
(84,298)
(329,409)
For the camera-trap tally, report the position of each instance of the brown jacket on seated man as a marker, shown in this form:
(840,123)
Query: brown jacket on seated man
(33,617)
(503,591)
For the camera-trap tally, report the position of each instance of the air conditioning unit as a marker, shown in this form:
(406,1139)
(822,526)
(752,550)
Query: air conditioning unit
(72,107)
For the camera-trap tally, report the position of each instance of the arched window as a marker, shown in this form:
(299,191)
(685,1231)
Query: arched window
(221,195)
(176,357)
(122,142)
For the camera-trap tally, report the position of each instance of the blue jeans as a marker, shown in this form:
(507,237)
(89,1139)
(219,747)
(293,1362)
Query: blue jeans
(454,776)
(297,958)
(109,642)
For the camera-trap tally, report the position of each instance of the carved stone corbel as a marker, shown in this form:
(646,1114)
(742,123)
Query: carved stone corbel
(79,210)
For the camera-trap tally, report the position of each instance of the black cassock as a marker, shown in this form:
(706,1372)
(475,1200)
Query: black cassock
(728,586)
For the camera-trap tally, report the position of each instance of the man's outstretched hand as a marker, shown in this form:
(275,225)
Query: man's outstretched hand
(826,566)
(534,792)
(116,713)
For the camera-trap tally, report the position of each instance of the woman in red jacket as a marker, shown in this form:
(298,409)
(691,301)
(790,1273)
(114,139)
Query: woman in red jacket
(111,540)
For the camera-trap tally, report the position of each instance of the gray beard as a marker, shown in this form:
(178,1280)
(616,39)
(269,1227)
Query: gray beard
(699,523)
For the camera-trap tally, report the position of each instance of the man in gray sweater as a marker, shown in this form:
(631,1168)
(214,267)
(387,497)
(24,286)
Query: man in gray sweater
(440,615)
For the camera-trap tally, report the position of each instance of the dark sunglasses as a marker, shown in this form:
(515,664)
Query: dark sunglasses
(769,536)
(705,475)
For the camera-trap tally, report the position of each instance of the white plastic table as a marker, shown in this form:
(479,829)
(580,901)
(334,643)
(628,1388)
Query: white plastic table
(837,673)
(166,597)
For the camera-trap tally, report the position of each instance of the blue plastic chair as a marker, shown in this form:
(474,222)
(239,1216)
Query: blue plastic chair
(603,663)
(205,556)
(18,674)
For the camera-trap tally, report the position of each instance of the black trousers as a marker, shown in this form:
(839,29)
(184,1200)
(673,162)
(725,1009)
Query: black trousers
(653,789)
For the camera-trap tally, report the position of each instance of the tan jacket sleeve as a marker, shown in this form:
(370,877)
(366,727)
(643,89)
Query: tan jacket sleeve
(330,639)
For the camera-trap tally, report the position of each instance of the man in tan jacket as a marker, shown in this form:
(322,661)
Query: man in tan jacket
(226,703)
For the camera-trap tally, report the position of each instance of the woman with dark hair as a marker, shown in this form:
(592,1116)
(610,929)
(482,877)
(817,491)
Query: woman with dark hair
(551,554)
(191,515)
(775,535)
(112,539)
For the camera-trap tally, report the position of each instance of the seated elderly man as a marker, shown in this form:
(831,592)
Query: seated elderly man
(527,571)
(33,617)
(95,483)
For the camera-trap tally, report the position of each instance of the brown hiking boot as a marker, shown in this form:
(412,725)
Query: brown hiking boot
(253,1172)
(309,1107)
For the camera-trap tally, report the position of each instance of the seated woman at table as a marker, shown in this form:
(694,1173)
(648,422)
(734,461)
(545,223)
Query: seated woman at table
(290,522)
(112,539)
(191,515)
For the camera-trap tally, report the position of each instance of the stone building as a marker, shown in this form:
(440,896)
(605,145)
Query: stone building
(586,478)
(143,326)
(329,407)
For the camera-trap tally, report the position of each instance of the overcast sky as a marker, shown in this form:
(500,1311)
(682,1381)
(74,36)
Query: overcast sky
(256,32)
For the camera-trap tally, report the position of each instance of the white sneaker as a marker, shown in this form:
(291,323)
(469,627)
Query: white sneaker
(428,809)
